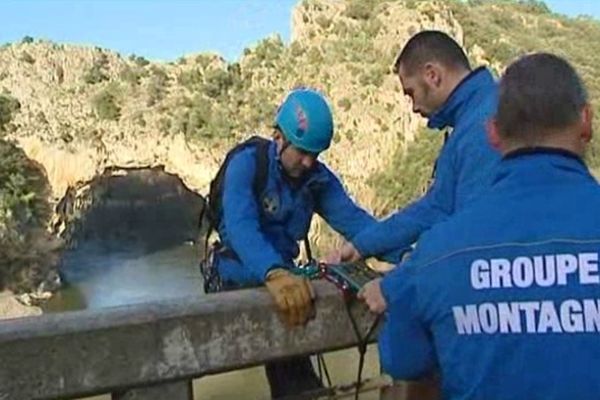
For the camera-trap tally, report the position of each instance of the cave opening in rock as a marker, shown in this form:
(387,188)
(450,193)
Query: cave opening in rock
(131,235)
(147,206)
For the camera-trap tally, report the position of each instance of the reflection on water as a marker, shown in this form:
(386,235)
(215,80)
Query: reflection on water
(99,274)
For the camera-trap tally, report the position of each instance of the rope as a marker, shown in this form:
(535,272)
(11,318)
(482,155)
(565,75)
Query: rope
(362,343)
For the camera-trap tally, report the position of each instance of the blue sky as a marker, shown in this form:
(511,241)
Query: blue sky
(167,29)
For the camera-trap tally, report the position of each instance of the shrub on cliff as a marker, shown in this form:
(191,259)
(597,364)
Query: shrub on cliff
(416,163)
(98,71)
(8,107)
(28,254)
(105,105)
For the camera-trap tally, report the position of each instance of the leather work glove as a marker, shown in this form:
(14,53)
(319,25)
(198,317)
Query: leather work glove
(293,296)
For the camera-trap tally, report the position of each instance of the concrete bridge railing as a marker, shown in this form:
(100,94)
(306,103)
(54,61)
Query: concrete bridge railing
(153,351)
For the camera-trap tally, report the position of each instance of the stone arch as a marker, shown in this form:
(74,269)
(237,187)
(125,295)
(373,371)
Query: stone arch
(146,205)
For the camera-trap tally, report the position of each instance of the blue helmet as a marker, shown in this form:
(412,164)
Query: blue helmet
(305,120)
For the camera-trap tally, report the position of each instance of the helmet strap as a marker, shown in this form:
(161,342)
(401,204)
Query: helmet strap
(293,181)
(285,144)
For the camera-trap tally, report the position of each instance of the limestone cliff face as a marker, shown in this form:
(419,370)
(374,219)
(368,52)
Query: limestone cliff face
(58,126)
(87,111)
(61,126)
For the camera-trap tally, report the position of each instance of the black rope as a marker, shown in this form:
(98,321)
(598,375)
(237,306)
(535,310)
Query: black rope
(362,344)
(319,367)
(323,371)
(309,256)
(204,267)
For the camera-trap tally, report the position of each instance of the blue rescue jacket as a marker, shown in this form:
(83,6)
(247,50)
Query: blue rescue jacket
(463,169)
(265,234)
(504,297)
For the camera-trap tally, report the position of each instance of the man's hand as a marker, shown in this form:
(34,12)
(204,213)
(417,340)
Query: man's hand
(347,253)
(293,296)
(371,294)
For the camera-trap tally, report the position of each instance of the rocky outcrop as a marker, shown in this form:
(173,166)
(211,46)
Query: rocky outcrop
(87,112)
(60,127)
(147,206)
(10,307)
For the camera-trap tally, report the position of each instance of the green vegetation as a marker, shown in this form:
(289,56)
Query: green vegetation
(358,9)
(106,106)
(138,60)
(198,118)
(98,71)
(18,176)
(8,107)
(132,75)
(411,171)
(213,82)
(157,87)
(507,29)
(216,82)
(26,250)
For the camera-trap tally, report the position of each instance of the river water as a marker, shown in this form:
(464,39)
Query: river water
(98,275)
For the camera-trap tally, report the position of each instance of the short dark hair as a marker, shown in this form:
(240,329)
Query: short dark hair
(539,92)
(427,46)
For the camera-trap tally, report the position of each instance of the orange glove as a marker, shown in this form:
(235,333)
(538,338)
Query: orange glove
(293,296)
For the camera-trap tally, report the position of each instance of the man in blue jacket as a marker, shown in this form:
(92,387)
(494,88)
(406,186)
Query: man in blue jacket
(503,298)
(436,75)
(259,232)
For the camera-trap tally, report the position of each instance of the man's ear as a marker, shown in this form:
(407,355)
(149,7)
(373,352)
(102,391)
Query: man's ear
(432,73)
(587,116)
(278,138)
(493,135)
(277,135)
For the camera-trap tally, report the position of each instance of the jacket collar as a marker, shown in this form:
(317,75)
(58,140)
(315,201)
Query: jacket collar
(535,165)
(539,150)
(455,105)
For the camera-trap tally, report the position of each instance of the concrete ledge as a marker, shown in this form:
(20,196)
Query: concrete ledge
(100,351)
